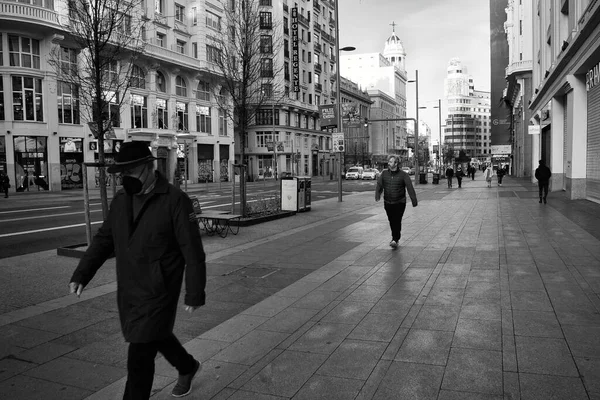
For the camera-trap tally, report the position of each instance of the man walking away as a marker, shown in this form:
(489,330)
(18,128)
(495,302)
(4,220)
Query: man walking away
(473,172)
(449,175)
(394,183)
(459,176)
(4,183)
(500,174)
(152,229)
(543,174)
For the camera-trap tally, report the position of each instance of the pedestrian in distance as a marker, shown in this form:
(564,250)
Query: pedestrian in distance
(473,170)
(152,229)
(543,174)
(459,176)
(4,184)
(449,175)
(488,174)
(394,183)
(500,175)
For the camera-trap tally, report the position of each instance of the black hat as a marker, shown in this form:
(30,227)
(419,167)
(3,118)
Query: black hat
(131,155)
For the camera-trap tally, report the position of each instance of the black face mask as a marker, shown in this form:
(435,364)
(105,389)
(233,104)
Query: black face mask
(133,185)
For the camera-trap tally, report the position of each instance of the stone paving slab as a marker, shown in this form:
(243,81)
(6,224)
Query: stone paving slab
(473,305)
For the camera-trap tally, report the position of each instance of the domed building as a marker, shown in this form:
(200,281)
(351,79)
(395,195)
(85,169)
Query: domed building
(394,50)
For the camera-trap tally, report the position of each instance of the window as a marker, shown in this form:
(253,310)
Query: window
(68,103)
(195,50)
(180,86)
(266,68)
(139,111)
(213,54)
(286,70)
(161,84)
(1,52)
(286,28)
(2,117)
(194,16)
(68,61)
(266,21)
(266,90)
(203,119)
(222,123)
(109,73)
(160,40)
(111,111)
(203,91)
(124,23)
(24,52)
(265,117)
(182,116)
(138,78)
(181,46)
(27,99)
(179,13)
(266,44)
(213,21)
(162,114)
(159,6)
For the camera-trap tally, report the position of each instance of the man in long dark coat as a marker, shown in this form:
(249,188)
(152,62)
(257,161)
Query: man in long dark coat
(151,228)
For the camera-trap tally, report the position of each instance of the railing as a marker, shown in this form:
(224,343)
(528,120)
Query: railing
(303,20)
(266,73)
(286,8)
(317,27)
(519,66)
(333,59)
(332,22)
(317,46)
(328,37)
(286,30)
(318,68)
(318,87)
(316,5)
(266,3)
(266,25)
(28,11)
(173,56)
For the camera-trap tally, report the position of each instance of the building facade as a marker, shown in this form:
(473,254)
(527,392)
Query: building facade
(566,94)
(467,125)
(44,139)
(383,75)
(356,107)
(518,28)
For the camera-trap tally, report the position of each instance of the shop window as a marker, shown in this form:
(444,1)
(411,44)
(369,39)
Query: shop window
(24,52)
(139,111)
(68,103)
(28,102)
(203,119)
(71,162)
(31,163)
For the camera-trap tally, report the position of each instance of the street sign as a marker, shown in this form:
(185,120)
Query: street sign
(533,129)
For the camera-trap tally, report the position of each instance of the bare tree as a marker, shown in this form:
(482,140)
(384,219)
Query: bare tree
(102,40)
(246,55)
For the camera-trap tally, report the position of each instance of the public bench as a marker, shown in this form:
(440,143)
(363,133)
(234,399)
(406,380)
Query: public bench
(218,222)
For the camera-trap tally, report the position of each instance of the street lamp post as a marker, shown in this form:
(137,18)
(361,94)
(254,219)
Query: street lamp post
(339,90)
(416,81)
(439,107)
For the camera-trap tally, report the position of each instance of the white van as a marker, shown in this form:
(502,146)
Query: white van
(354,173)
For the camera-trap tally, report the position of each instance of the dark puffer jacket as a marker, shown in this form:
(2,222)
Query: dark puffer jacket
(394,185)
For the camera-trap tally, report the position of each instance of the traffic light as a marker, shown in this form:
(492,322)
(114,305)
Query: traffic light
(340,146)
(366,122)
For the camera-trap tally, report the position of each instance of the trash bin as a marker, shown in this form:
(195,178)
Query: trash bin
(422,177)
(436,179)
(307,185)
(289,194)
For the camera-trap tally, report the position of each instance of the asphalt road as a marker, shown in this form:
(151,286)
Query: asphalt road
(48,223)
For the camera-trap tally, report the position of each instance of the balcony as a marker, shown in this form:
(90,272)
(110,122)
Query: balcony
(318,68)
(328,37)
(266,73)
(303,20)
(333,59)
(316,27)
(316,5)
(286,8)
(266,3)
(317,47)
(266,25)
(172,56)
(10,10)
(318,87)
(519,66)
(332,22)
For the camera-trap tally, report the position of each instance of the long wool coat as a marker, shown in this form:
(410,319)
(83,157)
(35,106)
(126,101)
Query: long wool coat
(152,253)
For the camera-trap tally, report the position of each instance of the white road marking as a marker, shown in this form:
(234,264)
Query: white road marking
(32,209)
(45,216)
(46,229)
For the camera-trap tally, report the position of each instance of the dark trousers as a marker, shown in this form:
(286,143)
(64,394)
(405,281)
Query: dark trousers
(543,186)
(459,180)
(395,212)
(5,190)
(140,365)
(500,179)
(449,181)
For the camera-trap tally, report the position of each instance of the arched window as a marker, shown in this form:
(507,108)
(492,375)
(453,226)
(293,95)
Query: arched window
(203,91)
(138,78)
(180,88)
(161,83)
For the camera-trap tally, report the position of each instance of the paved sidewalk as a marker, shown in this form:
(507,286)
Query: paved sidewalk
(490,295)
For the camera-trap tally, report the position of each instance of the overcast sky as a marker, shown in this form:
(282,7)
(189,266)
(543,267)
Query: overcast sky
(433,32)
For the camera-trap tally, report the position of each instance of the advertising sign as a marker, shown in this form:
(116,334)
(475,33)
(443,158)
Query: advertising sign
(327,115)
(295,51)
(501,149)
(533,129)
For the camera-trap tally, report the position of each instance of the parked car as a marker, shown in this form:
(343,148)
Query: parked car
(371,173)
(354,173)
(286,175)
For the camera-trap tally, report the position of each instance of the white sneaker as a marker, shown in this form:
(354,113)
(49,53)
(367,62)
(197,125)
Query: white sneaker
(393,244)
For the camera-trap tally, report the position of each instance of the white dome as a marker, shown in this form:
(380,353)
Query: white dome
(393,46)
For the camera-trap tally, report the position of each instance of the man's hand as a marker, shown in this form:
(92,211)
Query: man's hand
(75,287)
(377,198)
(191,309)
(414,204)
